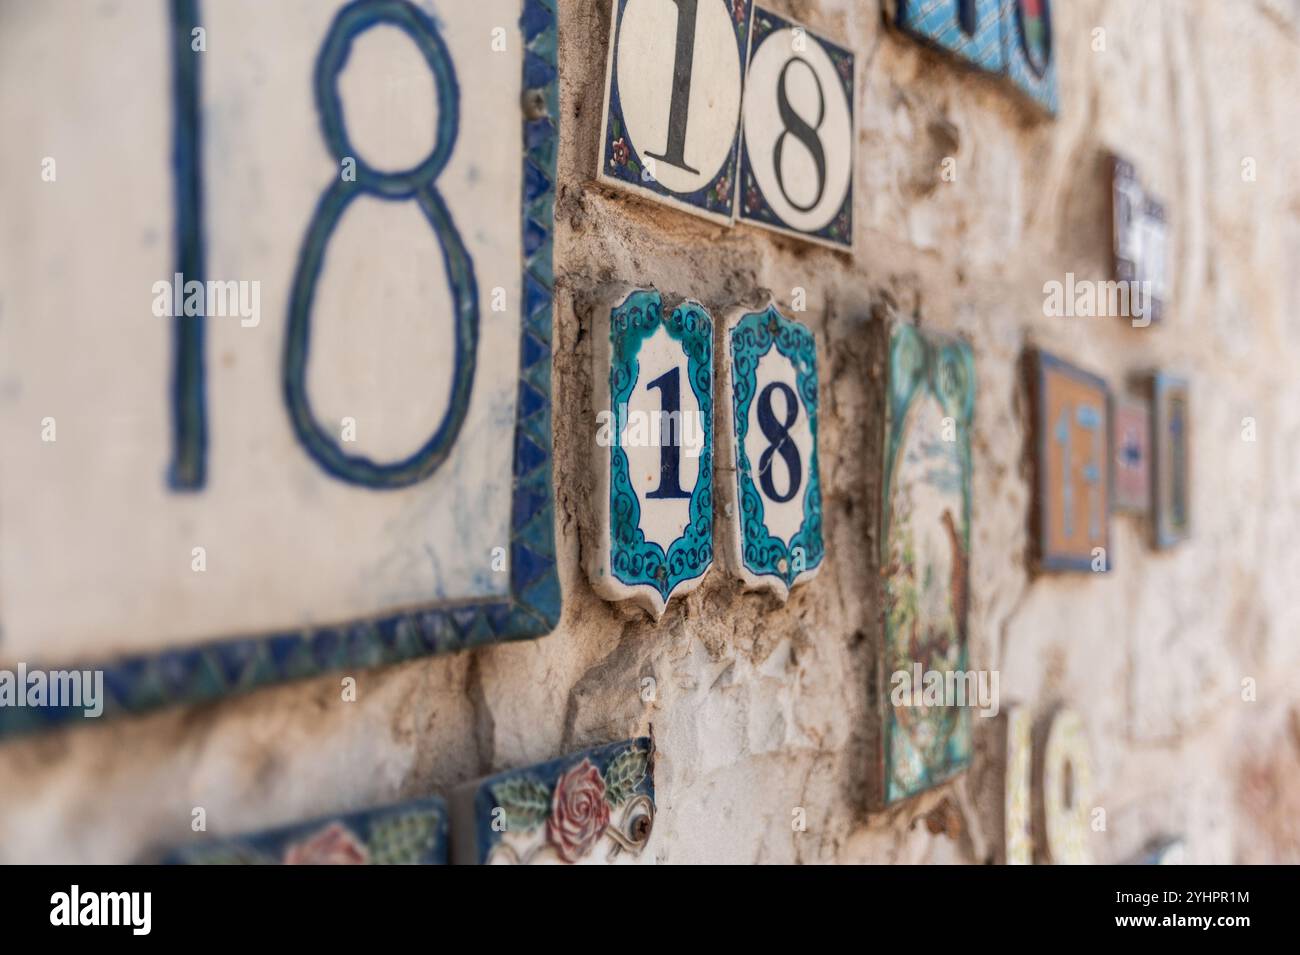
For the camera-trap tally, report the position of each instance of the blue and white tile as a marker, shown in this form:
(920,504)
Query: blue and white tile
(769,471)
(652,393)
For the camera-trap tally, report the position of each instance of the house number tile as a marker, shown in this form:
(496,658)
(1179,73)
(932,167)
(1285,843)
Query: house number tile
(653,397)
(769,471)
(797,150)
(673,89)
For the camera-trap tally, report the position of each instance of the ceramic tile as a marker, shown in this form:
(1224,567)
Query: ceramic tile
(595,807)
(1131,441)
(413,833)
(1072,467)
(799,130)
(1064,797)
(769,473)
(673,88)
(652,390)
(254,444)
(1171,417)
(1029,45)
(1017,821)
(971,30)
(1140,238)
(925,554)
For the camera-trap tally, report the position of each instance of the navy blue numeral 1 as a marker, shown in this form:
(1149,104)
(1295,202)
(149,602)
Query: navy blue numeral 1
(669,386)
(188,468)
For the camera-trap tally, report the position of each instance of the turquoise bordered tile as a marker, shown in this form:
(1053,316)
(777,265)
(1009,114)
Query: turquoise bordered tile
(652,392)
(769,469)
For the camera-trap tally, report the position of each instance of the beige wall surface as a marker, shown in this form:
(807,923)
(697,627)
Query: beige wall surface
(760,709)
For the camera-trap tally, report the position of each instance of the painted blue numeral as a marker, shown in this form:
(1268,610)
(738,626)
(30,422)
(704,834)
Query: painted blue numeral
(188,468)
(780,442)
(1089,419)
(669,386)
(418,184)
(189,416)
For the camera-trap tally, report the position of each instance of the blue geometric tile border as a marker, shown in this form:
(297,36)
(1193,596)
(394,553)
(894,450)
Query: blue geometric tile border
(1009,38)
(219,668)
(971,30)
(413,833)
(753,206)
(1030,48)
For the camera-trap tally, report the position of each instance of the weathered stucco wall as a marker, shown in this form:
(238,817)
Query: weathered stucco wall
(759,709)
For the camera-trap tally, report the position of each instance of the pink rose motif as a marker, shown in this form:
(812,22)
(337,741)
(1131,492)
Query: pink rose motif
(621,152)
(738,11)
(579,813)
(333,845)
(723,189)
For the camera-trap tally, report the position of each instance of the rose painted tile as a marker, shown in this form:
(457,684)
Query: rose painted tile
(412,833)
(592,808)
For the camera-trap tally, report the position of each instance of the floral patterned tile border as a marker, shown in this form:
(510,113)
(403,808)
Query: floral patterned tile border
(591,807)
(412,833)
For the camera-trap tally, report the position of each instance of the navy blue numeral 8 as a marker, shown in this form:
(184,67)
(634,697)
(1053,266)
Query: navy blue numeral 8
(780,442)
(418,185)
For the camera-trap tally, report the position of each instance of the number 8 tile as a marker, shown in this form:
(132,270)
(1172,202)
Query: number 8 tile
(796,157)
(768,468)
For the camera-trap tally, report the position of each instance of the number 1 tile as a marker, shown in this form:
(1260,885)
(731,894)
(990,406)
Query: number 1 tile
(673,89)
(1072,467)
(652,391)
